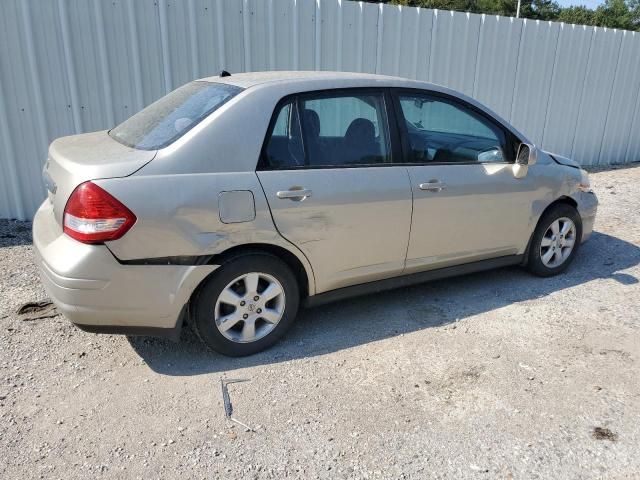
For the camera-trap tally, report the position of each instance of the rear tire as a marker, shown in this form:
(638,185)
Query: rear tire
(555,241)
(247,305)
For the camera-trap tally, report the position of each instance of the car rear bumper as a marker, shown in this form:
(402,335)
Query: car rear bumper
(93,290)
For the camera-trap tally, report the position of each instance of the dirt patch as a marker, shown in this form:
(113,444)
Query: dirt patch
(601,433)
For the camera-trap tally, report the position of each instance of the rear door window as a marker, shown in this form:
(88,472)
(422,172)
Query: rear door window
(344,130)
(167,119)
(329,129)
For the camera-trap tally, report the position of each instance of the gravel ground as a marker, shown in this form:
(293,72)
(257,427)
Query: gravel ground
(494,375)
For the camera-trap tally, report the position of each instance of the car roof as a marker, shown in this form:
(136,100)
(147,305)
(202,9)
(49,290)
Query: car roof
(282,83)
(251,79)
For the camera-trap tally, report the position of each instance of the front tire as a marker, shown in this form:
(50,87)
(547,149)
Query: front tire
(246,305)
(555,241)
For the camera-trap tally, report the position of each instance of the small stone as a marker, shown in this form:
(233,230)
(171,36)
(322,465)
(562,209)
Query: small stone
(171,442)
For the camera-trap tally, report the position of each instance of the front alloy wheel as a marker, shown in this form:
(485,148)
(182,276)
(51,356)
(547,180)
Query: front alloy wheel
(558,242)
(555,241)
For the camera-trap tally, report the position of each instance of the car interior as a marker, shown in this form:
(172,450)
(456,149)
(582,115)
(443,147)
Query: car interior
(301,142)
(429,146)
(359,144)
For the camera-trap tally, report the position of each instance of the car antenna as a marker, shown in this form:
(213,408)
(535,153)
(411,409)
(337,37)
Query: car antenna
(224,73)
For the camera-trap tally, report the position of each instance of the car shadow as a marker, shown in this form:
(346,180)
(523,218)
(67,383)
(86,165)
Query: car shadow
(372,318)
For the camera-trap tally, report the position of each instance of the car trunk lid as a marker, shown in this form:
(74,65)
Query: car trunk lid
(79,158)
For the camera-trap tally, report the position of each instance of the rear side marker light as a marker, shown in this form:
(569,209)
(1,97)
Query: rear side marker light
(92,215)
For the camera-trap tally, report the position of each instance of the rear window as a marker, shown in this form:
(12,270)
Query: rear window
(166,120)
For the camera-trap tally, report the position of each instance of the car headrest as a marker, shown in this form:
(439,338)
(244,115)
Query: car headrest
(360,130)
(311,123)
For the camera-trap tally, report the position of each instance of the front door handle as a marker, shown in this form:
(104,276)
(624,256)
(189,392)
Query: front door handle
(433,186)
(297,194)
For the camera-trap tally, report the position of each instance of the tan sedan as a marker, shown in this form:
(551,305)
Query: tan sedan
(235,199)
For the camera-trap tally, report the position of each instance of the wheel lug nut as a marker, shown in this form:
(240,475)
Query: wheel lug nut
(259,310)
(245,316)
(256,298)
(242,303)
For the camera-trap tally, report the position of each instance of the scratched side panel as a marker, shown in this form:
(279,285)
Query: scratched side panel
(354,228)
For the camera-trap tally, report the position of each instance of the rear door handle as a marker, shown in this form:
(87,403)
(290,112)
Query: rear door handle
(432,186)
(298,194)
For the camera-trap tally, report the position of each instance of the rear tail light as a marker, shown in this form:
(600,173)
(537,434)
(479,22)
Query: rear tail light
(92,215)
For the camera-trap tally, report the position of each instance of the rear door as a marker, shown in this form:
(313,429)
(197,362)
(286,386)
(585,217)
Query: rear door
(468,206)
(327,171)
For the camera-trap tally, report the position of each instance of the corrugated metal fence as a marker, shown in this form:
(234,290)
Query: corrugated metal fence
(71,66)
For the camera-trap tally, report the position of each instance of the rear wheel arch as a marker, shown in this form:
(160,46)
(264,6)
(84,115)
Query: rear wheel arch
(298,268)
(304,276)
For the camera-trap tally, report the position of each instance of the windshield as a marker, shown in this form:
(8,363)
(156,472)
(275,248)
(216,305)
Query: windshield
(167,119)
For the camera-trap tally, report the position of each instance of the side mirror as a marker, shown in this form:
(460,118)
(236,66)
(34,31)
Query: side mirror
(527,156)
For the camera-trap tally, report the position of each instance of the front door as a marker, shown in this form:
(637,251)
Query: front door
(468,206)
(333,191)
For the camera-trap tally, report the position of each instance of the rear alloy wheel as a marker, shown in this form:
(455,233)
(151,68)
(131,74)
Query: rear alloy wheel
(246,305)
(555,241)
(249,307)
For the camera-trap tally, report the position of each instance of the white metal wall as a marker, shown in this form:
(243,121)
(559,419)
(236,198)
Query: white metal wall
(70,66)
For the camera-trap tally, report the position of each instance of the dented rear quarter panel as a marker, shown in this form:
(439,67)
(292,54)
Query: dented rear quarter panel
(178,215)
